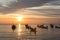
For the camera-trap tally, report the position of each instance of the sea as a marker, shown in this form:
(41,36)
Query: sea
(21,33)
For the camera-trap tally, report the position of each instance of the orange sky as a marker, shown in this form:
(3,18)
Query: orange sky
(28,18)
(29,21)
(32,11)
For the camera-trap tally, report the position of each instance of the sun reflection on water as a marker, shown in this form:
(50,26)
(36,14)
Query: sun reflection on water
(19,29)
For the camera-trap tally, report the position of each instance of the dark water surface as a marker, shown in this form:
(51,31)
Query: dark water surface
(21,33)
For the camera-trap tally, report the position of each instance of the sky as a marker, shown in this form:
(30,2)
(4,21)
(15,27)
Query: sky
(32,11)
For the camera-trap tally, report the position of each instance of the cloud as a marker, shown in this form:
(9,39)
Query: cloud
(51,9)
(57,2)
(11,6)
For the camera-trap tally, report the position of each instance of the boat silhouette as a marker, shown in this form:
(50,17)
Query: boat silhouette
(13,27)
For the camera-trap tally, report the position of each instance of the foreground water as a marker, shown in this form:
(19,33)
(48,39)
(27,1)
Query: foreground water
(21,33)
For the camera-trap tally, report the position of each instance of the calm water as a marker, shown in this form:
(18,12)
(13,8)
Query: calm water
(21,33)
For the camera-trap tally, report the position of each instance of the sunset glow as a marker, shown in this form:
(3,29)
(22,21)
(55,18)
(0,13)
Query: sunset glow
(19,18)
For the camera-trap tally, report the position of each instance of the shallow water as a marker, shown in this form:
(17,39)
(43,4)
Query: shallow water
(21,33)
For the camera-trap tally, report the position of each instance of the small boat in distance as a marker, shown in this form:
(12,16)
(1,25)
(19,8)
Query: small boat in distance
(51,25)
(42,26)
(30,28)
(13,27)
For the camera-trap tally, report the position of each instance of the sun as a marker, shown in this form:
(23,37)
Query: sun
(19,18)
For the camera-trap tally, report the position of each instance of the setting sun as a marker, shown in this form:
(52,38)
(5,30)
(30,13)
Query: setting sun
(19,18)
